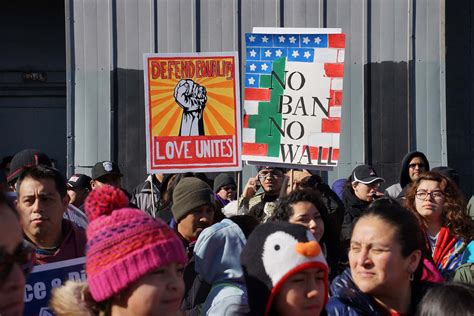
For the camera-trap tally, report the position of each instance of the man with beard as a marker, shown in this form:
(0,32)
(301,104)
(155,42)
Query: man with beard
(271,180)
(413,164)
(193,210)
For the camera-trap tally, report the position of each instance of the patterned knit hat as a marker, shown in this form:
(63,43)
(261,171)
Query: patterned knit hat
(124,244)
(274,252)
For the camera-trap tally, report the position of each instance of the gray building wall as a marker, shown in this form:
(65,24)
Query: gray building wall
(393,86)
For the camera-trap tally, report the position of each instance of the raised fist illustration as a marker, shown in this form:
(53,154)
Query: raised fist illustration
(192,98)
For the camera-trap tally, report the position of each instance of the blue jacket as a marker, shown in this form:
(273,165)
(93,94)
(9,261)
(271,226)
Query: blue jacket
(217,256)
(347,299)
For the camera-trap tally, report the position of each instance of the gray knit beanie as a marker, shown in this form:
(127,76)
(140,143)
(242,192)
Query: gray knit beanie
(190,194)
(222,180)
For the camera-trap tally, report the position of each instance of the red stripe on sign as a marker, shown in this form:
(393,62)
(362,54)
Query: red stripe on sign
(336,97)
(313,152)
(331,125)
(337,40)
(325,154)
(253,94)
(245,123)
(335,154)
(333,70)
(254,149)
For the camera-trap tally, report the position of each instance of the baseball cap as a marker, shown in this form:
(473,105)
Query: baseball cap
(103,168)
(26,158)
(79,180)
(365,174)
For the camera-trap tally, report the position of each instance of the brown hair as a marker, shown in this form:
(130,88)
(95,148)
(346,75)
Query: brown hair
(454,215)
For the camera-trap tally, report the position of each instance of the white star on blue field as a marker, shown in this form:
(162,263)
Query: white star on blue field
(263,49)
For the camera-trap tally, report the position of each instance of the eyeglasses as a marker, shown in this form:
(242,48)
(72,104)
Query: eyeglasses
(435,195)
(273,174)
(23,256)
(413,165)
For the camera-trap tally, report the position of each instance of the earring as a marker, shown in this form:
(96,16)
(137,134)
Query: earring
(411,277)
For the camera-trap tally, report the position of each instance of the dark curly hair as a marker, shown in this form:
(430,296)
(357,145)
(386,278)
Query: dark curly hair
(284,209)
(330,238)
(454,215)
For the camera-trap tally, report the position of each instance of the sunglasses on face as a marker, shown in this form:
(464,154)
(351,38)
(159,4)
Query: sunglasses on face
(272,174)
(413,165)
(23,256)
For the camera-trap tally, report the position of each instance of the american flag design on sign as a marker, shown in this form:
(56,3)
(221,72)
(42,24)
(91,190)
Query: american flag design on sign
(293,98)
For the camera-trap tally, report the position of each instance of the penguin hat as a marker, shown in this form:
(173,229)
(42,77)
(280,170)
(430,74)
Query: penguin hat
(274,252)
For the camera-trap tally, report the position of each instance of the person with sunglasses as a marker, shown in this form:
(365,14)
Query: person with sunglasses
(271,180)
(441,210)
(413,165)
(15,260)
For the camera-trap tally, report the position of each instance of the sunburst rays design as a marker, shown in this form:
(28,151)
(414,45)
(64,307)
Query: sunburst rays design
(219,113)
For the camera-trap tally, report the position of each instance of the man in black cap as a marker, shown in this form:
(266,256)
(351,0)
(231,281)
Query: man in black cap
(33,157)
(106,172)
(78,188)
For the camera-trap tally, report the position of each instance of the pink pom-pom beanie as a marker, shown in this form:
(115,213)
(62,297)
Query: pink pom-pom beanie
(124,244)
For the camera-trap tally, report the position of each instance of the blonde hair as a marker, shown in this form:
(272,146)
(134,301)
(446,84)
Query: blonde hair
(74,298)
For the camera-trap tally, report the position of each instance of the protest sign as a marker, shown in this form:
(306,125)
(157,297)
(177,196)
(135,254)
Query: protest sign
(293,97)
(44,278)
(192,111)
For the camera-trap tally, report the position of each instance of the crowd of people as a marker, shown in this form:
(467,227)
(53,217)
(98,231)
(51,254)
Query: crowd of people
(185,244)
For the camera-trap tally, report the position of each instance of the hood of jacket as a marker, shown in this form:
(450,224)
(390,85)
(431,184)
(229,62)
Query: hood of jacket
(217,252)
(404,175)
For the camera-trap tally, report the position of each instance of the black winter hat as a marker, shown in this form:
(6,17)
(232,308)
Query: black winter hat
(26,158)
(274,252)
(222,180)
(189,194)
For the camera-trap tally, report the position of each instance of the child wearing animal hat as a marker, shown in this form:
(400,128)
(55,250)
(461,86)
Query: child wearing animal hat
(134,263)
(285,271)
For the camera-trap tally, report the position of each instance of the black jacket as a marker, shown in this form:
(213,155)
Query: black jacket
(354,207)
(196,289)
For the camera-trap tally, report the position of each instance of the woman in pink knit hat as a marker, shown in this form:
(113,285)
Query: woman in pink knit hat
(134,263)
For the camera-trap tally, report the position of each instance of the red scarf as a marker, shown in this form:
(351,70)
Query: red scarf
(444,245)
